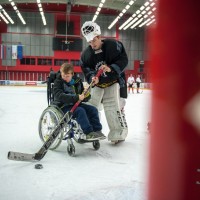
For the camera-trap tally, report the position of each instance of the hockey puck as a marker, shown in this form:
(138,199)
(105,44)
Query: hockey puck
(38,166)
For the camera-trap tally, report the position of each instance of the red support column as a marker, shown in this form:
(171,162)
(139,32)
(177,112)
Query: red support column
(174,172)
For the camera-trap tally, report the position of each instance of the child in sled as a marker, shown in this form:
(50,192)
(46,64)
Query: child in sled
(68,89)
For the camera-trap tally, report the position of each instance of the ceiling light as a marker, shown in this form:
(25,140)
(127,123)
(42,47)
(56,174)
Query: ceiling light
(121,14)
(147,8)
(124,24)
(21,18)
(17,11)
(44,21)
(127,21)
(124,10)
(152,4)
(143,12)
(8,17)
(144,23)
(98,10)
(4,19)
(138,22)
(114,22)
(94,18)
(138,11)
(130,23)
(142,8)
(101,5)
(140,15)
(41,12)
(151,22)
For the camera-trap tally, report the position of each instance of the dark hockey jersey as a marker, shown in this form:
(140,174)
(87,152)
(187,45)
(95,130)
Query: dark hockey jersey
(113,54)
(67,93)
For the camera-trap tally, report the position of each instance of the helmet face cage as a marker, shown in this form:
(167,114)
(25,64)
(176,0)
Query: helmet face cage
(90,27)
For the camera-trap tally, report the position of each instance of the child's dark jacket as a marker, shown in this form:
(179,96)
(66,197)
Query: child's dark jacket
(67,94)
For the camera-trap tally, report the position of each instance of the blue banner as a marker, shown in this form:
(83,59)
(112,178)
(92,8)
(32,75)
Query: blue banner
(19,51)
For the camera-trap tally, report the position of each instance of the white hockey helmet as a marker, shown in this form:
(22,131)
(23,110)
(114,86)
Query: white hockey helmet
(90,30)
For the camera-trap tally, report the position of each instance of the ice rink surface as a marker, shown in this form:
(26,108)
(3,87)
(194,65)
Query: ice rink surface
(114,172)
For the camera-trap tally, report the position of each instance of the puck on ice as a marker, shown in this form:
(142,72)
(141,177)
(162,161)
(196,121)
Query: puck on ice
(38,166)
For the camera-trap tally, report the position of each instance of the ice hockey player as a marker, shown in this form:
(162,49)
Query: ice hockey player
(130,83)
(109,55)
(68,89)
(138,81)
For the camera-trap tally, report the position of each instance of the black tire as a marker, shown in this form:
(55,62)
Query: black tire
(96,145)
(71,150)
(49,119)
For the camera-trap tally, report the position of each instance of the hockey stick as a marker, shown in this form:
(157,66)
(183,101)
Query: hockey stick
(43,150)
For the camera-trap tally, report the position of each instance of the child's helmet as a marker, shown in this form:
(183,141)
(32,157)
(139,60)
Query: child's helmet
(90,30)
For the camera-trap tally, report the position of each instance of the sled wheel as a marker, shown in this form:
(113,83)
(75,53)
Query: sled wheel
(49,119)
(71,149)
(96,145)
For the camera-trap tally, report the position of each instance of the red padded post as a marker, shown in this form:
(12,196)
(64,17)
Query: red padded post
(174,171)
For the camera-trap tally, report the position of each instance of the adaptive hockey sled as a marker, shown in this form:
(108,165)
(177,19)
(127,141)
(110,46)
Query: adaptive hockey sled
(54,126)
(50,118)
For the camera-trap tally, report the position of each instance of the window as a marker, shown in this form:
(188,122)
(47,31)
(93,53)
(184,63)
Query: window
(44,61)
(27,61)
(59,62)
(32,61)
(67,44)
(75,62)
(141,68)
